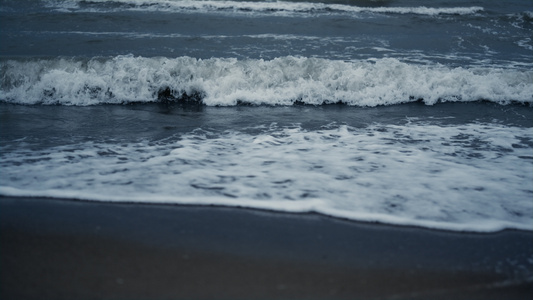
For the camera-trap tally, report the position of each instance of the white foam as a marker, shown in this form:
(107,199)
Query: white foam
(525,43)
(473,177)
(528,14)
(262,7)
(281,81)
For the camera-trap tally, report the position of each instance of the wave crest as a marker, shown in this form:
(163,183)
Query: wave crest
(254,7)
(281,81)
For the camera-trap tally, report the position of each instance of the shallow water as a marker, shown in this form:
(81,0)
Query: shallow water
(408,164)
(402,112)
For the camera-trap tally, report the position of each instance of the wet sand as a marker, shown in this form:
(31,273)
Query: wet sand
(61,249)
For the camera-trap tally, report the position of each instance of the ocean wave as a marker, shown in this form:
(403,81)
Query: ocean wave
(254,7)
(468,177)
(228,81)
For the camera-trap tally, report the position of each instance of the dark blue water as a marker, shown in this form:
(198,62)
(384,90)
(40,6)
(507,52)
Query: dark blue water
(451,32)
(403,112)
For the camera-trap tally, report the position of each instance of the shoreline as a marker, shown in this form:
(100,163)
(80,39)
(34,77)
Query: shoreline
(55,248)
(267,210)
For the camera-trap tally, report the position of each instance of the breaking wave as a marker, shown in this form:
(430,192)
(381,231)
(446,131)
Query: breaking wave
(228,81)
(254,7)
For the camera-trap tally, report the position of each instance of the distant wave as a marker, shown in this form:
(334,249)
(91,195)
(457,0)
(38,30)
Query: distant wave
(277,7)
(281,81)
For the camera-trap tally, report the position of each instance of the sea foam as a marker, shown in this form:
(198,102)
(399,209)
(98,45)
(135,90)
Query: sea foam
(283,8)
(472,177)
(280,81)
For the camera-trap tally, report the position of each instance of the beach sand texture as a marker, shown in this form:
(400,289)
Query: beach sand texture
(60,249)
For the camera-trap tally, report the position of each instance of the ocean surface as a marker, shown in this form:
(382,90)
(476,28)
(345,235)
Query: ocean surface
(402,112)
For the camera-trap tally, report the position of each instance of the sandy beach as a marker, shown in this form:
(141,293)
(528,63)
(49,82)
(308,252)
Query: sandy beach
(241,150)
(61,249)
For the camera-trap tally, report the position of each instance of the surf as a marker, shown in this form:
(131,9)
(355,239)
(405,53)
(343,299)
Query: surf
(280,81)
